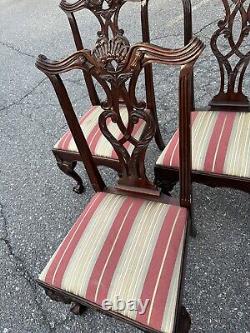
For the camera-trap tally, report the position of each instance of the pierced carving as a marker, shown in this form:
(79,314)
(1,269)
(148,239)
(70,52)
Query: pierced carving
(111,46)
(104,8)
(232,77)
(133,170)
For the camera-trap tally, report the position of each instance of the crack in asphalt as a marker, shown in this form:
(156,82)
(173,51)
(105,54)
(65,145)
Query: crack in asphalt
(205,27)
(195,33)
(72,80)
(13,48)
(18,102)
(164,36)
(24,272)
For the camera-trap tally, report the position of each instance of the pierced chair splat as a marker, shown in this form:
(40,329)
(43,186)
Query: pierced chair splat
(112,39)
(129,241)
(220,135)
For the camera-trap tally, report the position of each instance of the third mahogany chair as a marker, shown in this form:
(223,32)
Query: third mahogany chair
(220,135)
(130,241)
(109,36)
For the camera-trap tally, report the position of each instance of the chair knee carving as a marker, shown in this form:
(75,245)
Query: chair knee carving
(220,135)
(130,241)
(65,150)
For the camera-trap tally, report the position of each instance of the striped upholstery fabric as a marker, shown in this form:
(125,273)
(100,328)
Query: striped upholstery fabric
(99,145)
(127,247)
(220,143)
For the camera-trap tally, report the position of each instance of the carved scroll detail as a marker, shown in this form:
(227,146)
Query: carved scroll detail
(112,53)
(232,77)
(111,46)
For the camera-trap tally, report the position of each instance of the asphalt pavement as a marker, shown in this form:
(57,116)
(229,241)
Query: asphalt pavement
(37,204)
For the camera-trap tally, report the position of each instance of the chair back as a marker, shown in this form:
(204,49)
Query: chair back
(107,13)
(234,59)
(117,67)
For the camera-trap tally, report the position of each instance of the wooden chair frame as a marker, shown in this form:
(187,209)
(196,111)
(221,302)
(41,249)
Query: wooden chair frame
(133,179)
(229,98)
(67,160)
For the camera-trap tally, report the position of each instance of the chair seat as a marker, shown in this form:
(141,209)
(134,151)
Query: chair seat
(220,144)
(124,247)
(99,145)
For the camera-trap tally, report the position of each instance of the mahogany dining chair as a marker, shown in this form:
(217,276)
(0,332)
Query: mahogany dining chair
(130,241)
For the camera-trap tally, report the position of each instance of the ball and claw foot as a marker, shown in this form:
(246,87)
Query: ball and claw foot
(77,309)
(79,188)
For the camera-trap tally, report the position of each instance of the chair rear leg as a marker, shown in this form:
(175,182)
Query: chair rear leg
(166,181)
(192,230)
(168,186)
(184,321)
(158,137)
(68,168)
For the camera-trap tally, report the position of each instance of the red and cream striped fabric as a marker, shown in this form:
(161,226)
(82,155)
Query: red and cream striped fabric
(220,144)
(99,145)
(126,247)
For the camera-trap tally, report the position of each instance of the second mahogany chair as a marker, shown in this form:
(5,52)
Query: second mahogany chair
(220,135)
(110,37)
(130,241)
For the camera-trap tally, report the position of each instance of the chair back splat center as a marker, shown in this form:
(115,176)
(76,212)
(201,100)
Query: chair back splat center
(109,35)
(231,94)
(107,13)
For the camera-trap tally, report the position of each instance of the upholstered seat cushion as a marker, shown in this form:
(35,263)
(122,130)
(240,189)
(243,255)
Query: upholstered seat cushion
(99,145)
(124,247)
(220,144)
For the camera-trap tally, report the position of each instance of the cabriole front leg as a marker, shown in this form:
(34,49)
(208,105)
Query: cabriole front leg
(68,168)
